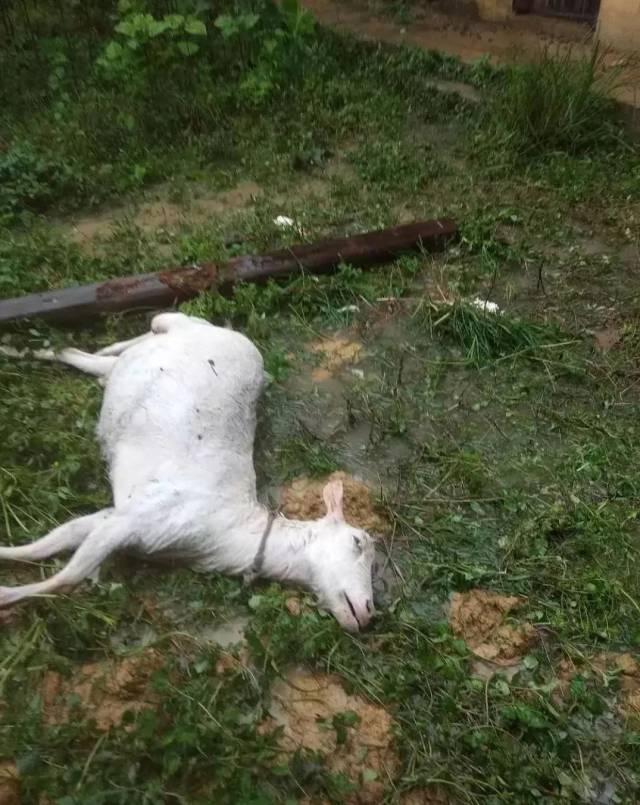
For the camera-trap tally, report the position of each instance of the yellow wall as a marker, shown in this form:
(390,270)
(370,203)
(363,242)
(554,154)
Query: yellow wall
(619,24)
(494,10)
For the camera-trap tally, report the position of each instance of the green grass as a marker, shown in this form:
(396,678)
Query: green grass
(485,335)
(505,447)
(560,102)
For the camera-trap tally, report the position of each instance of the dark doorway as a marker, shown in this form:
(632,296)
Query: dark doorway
(583,10)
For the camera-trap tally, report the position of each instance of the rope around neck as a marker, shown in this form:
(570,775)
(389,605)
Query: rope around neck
(258,560)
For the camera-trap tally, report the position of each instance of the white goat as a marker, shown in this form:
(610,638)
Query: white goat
(177,429)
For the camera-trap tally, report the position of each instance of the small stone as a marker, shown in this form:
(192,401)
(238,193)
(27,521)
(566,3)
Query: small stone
(294,607)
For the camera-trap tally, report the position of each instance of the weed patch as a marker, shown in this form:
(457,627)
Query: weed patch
(484,335)
(503,446)
(557,103)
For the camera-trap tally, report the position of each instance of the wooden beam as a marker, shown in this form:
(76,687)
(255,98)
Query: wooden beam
(165,288)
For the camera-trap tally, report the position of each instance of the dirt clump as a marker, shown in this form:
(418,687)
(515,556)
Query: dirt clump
(607,338)
(9,783)
(233,661)
(294,606)
(317,714)
(336,352)
(624,666)
(165,215)
(478,616)
(302,500)
(105,691)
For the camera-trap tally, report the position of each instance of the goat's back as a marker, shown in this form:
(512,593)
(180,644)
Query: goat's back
(182,404)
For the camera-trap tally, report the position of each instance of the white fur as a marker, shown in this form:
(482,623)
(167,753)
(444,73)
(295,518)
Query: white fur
(177,429)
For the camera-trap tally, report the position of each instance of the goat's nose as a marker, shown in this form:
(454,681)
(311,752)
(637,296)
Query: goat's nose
(361,609)
(365,613)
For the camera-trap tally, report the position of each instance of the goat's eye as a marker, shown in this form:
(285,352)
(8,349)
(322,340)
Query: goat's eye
(357,541)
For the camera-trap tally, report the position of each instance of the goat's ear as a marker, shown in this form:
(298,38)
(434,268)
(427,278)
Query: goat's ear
(332,495)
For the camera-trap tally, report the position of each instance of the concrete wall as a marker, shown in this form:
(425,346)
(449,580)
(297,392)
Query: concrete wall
(495,10)
(619,24)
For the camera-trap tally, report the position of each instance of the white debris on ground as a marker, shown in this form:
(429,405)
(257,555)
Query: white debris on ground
(486,305)
(284,222)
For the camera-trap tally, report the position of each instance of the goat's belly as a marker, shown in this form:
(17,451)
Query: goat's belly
(139,469)
(161,396)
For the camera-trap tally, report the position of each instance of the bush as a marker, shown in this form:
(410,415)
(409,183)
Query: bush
(29,180)
(558,103)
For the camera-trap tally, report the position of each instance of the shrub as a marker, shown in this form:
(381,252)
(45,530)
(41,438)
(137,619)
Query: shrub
(558,103)
(29,180)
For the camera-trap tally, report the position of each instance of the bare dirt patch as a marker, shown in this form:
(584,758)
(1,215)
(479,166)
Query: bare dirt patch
(438,27)
(354,735)
(478,616)
(607,338)
(459,34)
(164,215)
(335,352)
(105,691)
(9,783)
(624,666)
(231,662)
(302,500)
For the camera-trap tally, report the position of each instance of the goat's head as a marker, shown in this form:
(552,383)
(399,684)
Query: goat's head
(341,563)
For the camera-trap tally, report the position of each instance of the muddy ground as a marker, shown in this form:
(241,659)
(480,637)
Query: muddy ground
(493,454)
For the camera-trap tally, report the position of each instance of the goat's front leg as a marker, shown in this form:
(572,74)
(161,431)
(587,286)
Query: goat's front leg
(112,535)
(66,537)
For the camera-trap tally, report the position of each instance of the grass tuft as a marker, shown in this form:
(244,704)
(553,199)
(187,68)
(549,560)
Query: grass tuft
(560,102)
(485,336)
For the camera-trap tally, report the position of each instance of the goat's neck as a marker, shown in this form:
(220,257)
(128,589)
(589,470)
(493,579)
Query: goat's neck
(285,556)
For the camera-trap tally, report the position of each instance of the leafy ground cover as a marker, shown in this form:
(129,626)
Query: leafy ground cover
(496,453)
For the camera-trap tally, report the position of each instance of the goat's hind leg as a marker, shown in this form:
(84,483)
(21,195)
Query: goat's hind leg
(66,537)
(122,346)
(98,365)
(110,535)
(160,324)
